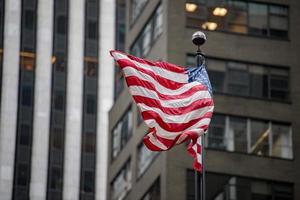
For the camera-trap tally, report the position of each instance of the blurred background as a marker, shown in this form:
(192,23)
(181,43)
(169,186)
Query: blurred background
(69,129)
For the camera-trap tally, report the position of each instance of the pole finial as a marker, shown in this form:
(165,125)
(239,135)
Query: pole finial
(198,38)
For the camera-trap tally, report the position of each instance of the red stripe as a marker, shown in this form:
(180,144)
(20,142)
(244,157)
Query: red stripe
(164,65)
(168,142)
(172,127)
(134,81)
(161,80)
(174,110)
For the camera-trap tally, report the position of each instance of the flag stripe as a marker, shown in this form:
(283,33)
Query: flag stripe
(163,95)
(175,102)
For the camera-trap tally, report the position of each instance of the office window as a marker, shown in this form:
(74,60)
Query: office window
(1,43)
(247,79)
(149,34)
(121,133)
(137,7)
(217,132)
(252,136)
(58,100)
(144,158)
(154,191)
(122,184)
(228,187)
(89,116)
(243,17)
(120,44)
(24,135)
(281,141)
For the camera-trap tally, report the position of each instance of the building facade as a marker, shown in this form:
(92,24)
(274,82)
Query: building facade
(252,59)
(55,95)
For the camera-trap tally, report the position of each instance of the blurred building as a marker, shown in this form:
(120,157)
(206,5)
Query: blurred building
(252,56)
(53,138)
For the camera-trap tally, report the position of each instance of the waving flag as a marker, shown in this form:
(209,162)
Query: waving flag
(175,102)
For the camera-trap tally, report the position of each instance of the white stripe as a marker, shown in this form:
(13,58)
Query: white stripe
(172,135)
(173,76)
(184,118)
(144,92)
(129,71)
(156,142)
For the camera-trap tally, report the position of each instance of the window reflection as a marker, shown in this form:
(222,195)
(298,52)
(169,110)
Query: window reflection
(121,184)
(244,79)
(145,158)
(239,17)
(153,192)
(253,136)
(121,133)
(150,33)
(227,187)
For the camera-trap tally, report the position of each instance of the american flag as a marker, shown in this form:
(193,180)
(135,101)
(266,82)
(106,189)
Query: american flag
(175,102)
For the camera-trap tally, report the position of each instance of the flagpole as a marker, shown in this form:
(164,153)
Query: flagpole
(199,39)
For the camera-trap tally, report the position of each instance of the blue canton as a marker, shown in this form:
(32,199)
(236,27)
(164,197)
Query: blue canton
(199,74)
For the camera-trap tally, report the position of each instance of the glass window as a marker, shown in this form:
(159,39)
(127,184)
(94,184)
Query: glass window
(121,184)
(259,82)
(136,8)
(145,158)
(154,192)
(238,134)
(282,141)
(251,136)
(23,172)
(58,100)
(158,23)
(216,71)
(89,181)
(245,79)
(258,19)
(260,137)
(279,84)
(91,104)
(25,134)
(227,187)
(239,17)
(148,35)
(216,136)
(238,78)
(56,178)
(121,133)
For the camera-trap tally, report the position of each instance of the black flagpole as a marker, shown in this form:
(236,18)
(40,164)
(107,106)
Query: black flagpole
(199,39)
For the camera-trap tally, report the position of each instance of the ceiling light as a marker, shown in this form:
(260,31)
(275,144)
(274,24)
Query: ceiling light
(218,11)
(190,7)
(210,26)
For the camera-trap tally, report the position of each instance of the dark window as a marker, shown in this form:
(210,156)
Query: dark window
(58,100)
(25,134)
(253,136)
(149,34)
(1,43)
(91,104)
(245,79)
(137,7)
(216,136)
(23,172)
(242,17)
(122,183)
(27,95)
(145,158)
(89,116)
(25,100)
(56,178)
(121,133)
(154,192)
(227,187)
